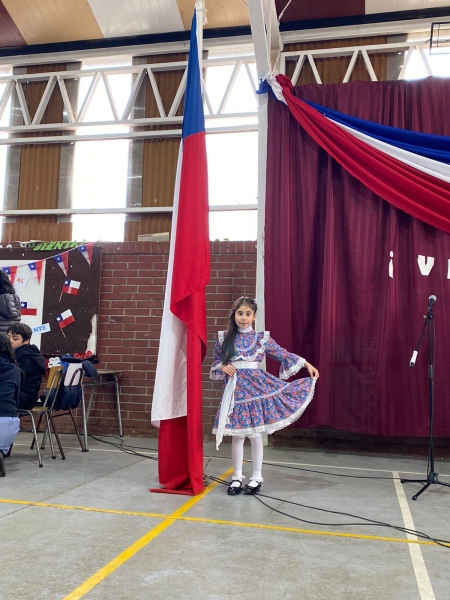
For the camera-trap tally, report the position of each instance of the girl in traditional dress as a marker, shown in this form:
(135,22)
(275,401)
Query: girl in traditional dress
(253,401)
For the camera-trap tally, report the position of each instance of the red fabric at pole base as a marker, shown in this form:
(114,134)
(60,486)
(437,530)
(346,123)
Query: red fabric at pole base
(194,409)
(180,441)
(173,457)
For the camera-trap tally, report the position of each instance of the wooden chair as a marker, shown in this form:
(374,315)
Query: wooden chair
(70,384)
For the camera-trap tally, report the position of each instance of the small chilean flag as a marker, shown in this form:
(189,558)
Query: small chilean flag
(65,318)
(71,287)
(36,269)
(28,308)
(63,261)
(11,272)
(86,251)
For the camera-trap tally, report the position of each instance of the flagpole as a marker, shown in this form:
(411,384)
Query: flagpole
(200,10)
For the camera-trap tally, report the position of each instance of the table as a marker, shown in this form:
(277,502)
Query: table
(104,377)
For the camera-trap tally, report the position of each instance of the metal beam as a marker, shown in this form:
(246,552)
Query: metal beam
(78,123)
(122,51)
(116,211)
(129,135)
(363,30)
(259,36)
(354,51)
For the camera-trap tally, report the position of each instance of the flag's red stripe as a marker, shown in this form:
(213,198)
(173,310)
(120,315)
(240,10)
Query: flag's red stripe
(191,268)
(180,440)
(28,311)
(70,290)
(194,409)
(66,322)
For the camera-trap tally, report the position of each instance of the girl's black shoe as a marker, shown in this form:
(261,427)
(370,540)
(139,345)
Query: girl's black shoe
(252,487)
(234,490)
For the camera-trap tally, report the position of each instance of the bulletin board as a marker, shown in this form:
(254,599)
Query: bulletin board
(59,290)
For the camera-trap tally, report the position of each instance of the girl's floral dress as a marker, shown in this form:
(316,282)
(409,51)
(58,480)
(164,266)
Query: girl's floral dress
(262,402)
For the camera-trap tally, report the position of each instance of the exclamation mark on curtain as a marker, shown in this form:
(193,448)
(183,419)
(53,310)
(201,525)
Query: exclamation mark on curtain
(391,265)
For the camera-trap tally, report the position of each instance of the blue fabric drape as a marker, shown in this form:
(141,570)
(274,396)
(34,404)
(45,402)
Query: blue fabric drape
(436,147)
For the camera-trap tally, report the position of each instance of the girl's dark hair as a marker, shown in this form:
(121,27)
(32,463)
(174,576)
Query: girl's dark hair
(228,342)
(5,284)
(6,348)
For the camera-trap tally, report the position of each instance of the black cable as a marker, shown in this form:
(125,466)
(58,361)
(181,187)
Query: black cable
(327,473)
(419,534)
(123,448)
(370,522)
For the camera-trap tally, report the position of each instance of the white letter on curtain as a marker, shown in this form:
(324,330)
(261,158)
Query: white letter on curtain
(425,266)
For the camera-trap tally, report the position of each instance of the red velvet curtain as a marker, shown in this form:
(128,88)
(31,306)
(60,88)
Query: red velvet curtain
(329,241)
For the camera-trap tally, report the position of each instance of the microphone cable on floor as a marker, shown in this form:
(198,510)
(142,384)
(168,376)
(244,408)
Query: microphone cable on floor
(369,522)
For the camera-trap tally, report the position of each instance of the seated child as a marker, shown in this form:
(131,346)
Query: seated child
(10,379)
(30,361)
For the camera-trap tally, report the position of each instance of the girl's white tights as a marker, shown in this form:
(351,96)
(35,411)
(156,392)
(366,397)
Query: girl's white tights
(237,456)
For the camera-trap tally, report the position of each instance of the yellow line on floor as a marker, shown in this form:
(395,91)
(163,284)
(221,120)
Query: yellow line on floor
(85,508)
(90,583)
(136,513)
(305,531)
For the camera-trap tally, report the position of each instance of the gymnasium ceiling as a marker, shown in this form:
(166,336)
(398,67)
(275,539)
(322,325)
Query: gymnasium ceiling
(27,22)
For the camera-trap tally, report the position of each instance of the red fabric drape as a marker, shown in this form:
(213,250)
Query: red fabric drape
(415,192)
(329,241)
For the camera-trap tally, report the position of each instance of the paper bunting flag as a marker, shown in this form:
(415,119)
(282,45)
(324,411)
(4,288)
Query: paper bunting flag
(71,287)
(11,272)
(44,328)
(28,308)
(36,269)
(63,261)
(21,280)
(86,250)
(65,318)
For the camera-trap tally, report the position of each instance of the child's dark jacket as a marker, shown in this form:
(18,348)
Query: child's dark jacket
(9,387)
(32,364)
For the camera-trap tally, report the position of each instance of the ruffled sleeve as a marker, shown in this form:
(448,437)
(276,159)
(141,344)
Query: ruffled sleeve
(290,363)
(215,372)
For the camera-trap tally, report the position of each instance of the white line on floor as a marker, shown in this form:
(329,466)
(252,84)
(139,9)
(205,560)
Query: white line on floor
(102,450)
(420,569)
(268,463)
(273,462)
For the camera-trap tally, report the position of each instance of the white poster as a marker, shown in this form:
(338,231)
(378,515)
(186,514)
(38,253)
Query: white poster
(31,296)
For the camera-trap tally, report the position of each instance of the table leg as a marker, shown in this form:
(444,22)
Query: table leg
(119,415)
(83,411)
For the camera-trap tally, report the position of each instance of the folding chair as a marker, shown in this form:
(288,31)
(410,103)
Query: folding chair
(67,397)
(43,410)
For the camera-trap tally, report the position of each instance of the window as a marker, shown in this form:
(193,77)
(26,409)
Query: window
(101,167)
(232,157)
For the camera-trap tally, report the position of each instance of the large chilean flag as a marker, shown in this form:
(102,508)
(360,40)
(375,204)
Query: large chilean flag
(177,399)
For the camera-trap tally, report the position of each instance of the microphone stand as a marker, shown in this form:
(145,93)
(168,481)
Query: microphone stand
(432,476)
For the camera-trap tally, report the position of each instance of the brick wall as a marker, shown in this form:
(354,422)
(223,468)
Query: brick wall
(131,303)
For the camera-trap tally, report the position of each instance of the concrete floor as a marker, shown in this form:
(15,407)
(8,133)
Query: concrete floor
(88,528)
